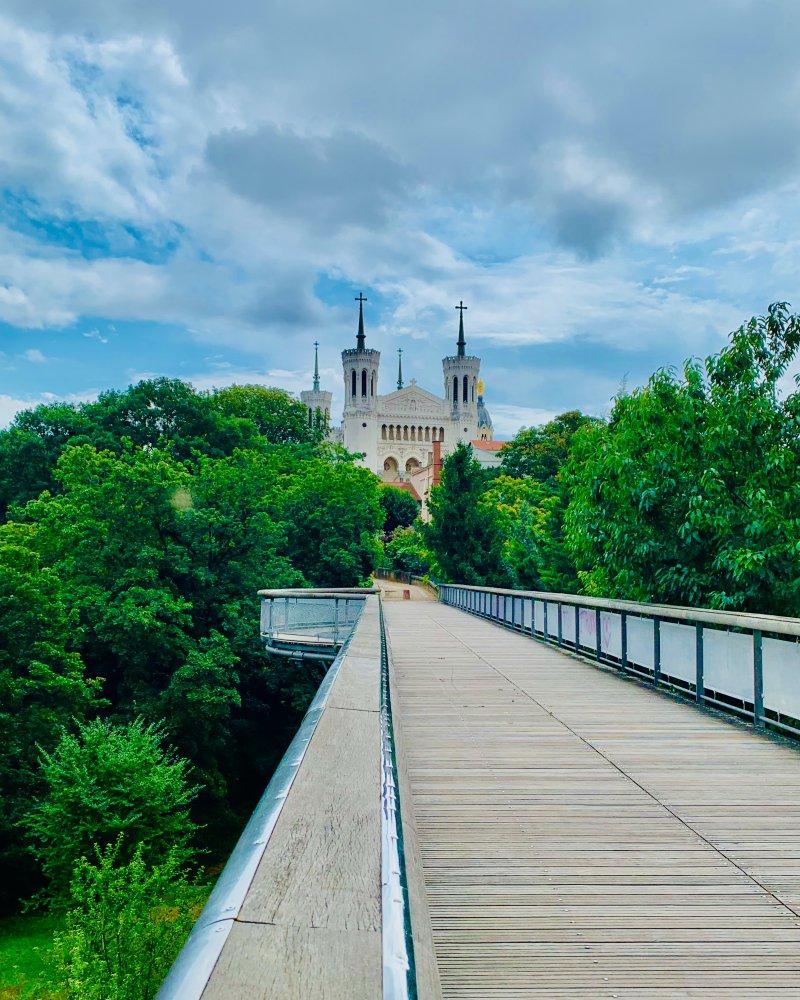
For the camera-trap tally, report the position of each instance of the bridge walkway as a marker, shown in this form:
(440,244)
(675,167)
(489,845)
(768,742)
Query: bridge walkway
(584,836)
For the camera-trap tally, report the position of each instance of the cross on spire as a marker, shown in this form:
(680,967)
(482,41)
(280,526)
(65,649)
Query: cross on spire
(399,367)
(316,366)
(461,342)
(360,299)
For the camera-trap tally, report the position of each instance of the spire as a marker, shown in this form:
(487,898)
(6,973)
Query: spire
(360,299)
(316,366)
(399,367)
(461,342)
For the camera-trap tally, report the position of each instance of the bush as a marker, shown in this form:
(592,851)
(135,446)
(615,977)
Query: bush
(107,785)
(125,927)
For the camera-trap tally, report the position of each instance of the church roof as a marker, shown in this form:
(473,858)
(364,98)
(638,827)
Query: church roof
(488,445)
(402,484)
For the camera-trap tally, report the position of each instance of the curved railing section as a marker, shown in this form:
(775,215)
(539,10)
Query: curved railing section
(310,624)
(747,664)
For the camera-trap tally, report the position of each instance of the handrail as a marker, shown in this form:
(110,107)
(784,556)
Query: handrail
(744,663)
(399,968)
(672,612)
(191,971)
(354,698)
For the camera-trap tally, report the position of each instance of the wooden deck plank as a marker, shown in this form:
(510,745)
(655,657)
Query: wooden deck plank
(583,836)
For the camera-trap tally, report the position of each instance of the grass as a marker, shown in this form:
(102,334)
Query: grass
(24,942)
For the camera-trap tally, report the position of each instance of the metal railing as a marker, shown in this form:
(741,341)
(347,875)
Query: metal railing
(310,624)
(743,663)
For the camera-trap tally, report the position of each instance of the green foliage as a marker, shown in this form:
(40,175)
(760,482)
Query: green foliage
(126,924)
(530,520)
(25,952)
(277,417)
(464,538)
(42,686)
(690,495)
(406,551)
(540,452)
(400,508)
(332,516)
(109,784)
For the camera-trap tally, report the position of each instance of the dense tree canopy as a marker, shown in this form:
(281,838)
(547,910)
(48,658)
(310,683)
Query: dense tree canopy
(463,538)
(400,508)
(139,528)
(690,494)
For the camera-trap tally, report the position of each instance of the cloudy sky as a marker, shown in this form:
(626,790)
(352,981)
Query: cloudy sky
(200,189)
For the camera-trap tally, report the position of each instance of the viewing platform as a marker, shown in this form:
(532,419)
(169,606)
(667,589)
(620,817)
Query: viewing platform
(510,795)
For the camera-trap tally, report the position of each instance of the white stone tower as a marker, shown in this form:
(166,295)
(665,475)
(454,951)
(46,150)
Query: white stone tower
(317,401)
(360,366)
(461,386)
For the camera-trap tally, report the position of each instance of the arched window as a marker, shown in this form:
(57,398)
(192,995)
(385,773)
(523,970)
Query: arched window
(466,389)
(353,382)
(412,465)
(391,432)
(413,433)
(419,434)
(405,433)
(364,382)
(427,433)
(473,390)
(441,433)
(372,385)
(455,388)
(383,432)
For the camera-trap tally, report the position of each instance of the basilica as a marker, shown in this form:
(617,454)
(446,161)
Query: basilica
(403,434)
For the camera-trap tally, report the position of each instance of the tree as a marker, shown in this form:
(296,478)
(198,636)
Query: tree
(333,515)
(400,508)
(126,924)
(42,686)
(278,418)
(540,452)
(690,495)
(406,551)
(464,540)
(109,784)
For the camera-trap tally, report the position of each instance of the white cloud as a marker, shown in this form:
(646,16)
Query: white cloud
(35,356)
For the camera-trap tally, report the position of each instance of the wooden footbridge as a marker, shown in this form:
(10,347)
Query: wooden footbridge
(512,795)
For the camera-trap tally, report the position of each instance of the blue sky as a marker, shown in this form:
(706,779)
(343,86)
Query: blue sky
(200,190)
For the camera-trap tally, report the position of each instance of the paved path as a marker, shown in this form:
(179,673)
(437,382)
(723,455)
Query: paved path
(393,591)
(583,836)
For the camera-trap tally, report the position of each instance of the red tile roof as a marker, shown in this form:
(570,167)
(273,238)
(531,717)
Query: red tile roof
(408,487)
(488,445)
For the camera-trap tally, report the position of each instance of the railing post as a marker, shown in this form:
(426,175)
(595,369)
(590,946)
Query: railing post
(656,651)
(559,622)
(623,627)
(699,684)
(336,618)
(544,609)
(597,634)
(758,679)
(577,627)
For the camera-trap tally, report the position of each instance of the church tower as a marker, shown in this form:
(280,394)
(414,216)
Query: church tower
(461,373)
(317,401)
(360,367)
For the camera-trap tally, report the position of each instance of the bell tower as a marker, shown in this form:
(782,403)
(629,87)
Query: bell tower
(360,367)
(317,401)
(461,372)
